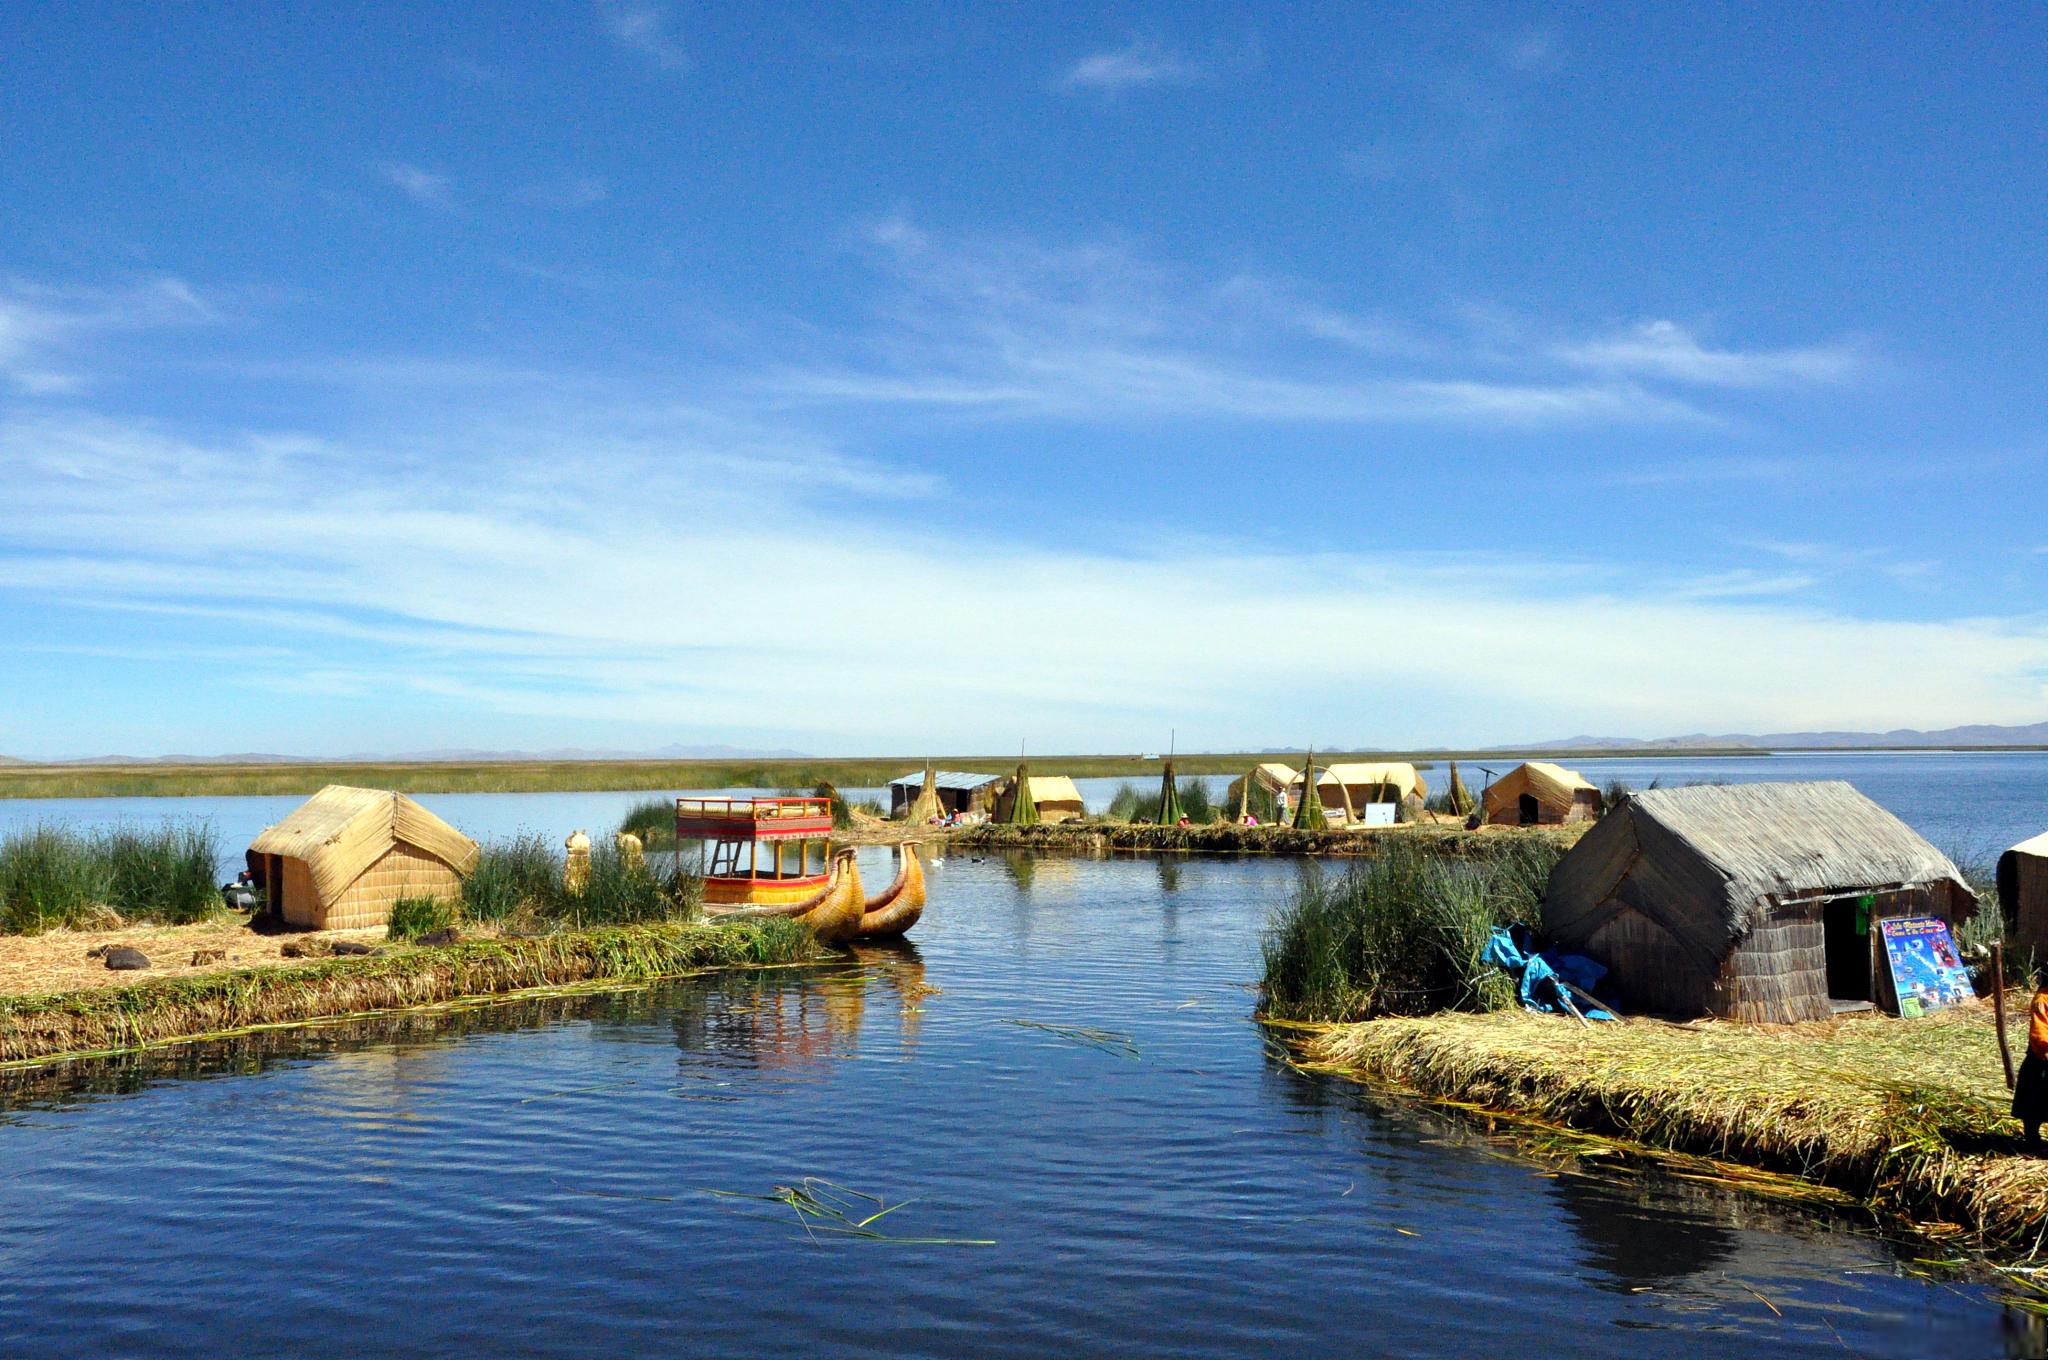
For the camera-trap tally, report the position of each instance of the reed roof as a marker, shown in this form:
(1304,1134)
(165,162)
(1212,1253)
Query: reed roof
(1399,775)
(341,831)
(1707,862)
(1054,788)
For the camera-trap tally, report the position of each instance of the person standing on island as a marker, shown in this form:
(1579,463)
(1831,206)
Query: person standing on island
(2030,1090)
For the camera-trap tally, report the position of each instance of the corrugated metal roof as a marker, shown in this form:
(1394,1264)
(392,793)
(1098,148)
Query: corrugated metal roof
(958,780)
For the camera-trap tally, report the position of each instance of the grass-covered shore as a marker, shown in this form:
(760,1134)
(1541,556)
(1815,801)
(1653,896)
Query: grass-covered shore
(107,1019)
(1907,1117)
(565,776)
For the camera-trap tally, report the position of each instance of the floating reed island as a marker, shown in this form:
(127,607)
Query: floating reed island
(1760,1021)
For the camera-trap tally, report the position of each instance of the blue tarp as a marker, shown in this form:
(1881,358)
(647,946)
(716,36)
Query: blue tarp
(1539,972)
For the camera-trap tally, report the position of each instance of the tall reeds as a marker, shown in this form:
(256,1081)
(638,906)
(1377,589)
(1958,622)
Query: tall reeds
(1399,934)
(52,877)
(653,820)
(1131,804)
(523,878)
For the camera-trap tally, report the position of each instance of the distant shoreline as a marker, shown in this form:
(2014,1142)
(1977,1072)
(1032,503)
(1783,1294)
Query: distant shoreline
(591,776)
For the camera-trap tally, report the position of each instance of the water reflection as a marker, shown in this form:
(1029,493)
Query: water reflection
(1633,1240)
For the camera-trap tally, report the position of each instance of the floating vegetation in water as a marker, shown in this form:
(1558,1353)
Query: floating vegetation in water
(823,1206)
(1108,1040)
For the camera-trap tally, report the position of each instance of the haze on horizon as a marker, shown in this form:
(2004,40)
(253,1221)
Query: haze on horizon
(894,378)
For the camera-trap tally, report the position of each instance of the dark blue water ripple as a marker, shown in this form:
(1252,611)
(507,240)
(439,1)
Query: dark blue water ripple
(534,1179)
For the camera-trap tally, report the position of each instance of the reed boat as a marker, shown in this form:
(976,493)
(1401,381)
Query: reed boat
(833,913)
(893,912)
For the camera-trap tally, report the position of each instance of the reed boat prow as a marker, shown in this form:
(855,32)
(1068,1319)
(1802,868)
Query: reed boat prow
(898,908)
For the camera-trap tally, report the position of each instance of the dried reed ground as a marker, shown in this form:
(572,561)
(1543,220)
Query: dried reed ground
(55,961)
(161,1008)
(1909,1116)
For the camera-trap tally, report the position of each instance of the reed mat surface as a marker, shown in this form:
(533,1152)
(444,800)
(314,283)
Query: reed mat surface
(56,961)
(1907,1116)
(108,1019)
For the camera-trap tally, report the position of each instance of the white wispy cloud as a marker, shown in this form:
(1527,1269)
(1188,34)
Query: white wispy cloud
(543,564)
(1140,64)
(1098,329)
(645,30)
(422,186)
(1664,349)
(44,330)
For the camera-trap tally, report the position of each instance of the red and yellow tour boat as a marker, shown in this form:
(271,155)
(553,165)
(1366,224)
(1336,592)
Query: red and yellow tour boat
(759,864)
(759,850)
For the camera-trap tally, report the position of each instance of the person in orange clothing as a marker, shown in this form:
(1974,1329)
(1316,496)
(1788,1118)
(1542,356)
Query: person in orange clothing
(2030,1090)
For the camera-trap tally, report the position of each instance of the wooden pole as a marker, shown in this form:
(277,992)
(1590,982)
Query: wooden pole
(1998,1008)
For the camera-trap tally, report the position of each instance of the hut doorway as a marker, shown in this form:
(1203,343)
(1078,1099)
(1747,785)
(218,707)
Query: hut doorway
(1845,929)
(1528,809)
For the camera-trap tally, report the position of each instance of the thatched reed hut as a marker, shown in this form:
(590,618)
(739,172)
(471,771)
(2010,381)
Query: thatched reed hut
(2023,894)
(1538,793)
(1054,795)
(953,792)
(343,856)
(1270,776)
(1751,901)
(1347,789)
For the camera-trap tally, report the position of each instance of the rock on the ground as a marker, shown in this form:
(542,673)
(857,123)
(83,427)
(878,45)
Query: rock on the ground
(355,947)
(125,958)
(445,935)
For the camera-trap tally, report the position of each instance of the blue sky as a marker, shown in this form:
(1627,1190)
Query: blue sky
(903,378)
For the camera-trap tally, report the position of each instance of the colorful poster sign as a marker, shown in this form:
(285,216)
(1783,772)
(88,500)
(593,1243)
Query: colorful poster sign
(1927,972)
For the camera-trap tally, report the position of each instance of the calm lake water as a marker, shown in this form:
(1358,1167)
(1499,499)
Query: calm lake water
(535,1178)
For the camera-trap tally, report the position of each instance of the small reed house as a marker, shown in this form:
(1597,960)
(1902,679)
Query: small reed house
(1347,789)
(955,792)
(1751,901)
(345,855)
(1054,795)
(2023,894)
(1539,793)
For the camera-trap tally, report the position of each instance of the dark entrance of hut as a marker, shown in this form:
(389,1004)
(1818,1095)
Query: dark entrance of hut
(1845,930)
(1527,808)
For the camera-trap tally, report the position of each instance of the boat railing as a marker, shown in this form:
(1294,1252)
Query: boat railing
(753,809)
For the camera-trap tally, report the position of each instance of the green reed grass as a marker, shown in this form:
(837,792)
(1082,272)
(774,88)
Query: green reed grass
(653,820)
(56,876)
(1399,934)
(412,917)
(522,871)
(1132,804)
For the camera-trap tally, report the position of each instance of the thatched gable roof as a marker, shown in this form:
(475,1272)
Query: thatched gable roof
(1551,785)
(1704,862)
(341,831)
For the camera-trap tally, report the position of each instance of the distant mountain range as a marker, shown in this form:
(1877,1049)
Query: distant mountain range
(1976,734)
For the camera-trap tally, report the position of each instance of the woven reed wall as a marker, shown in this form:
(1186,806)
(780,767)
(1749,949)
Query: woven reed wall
(2023,884)
(402,871)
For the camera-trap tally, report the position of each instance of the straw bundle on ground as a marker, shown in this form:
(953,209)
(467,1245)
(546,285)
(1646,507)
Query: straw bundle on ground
(925,807)
(1170,811)
(1308,812)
